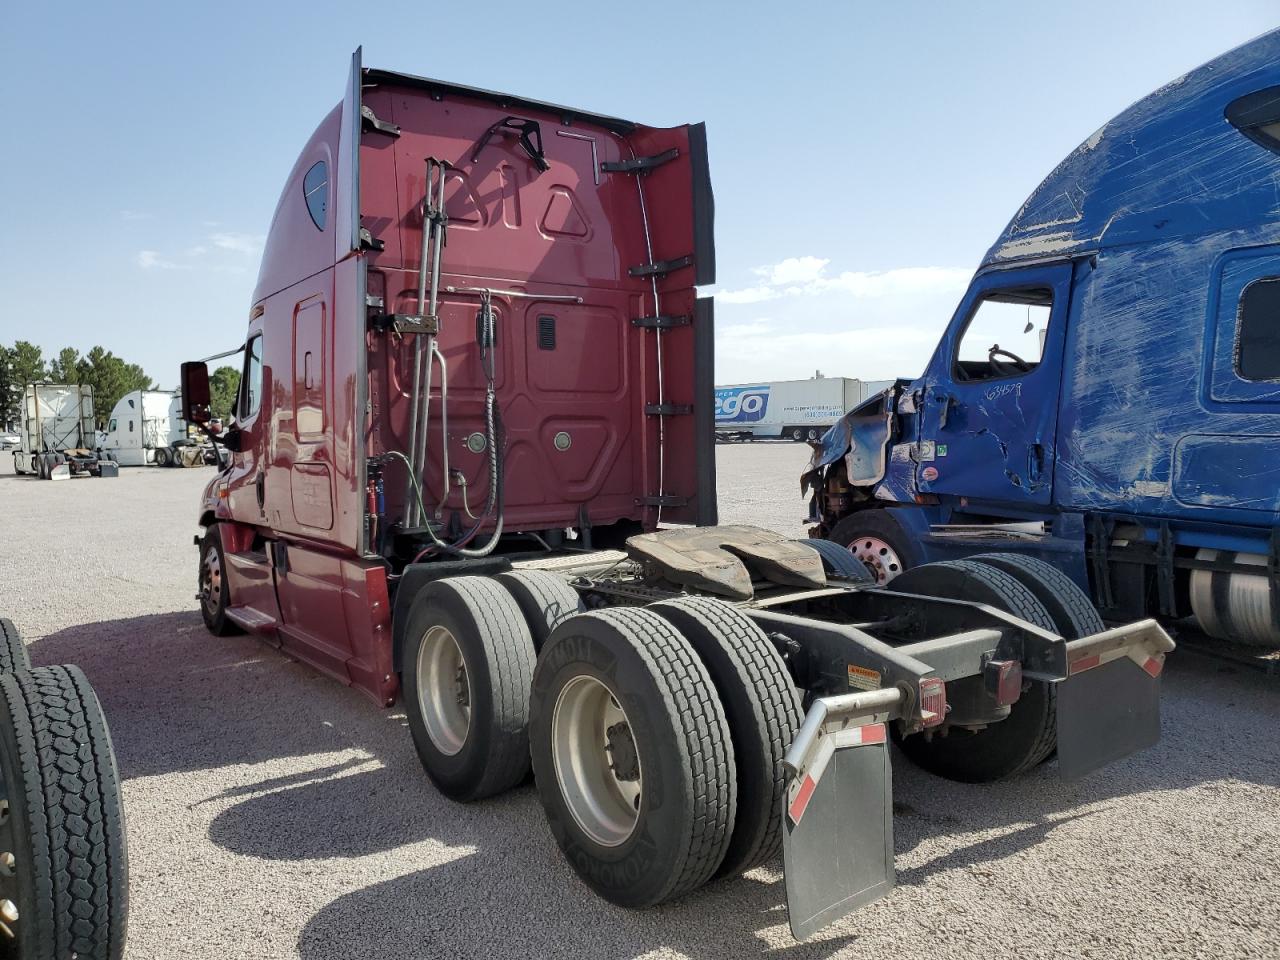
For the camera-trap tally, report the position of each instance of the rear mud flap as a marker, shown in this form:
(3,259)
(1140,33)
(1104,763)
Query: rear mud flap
(1109,703)
(838,838)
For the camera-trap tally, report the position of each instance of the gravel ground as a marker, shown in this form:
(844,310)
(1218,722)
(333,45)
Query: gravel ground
(273,813)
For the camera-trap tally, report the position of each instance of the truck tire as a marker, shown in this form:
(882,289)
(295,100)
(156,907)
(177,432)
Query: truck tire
(212,589)
(545,599)
(13,652)
(468,666)
(632,756)
(762,707)
(163,457)
(838,561)
(796,434)
(1073,613)
(878,541)
(1029,734)
(42,466)
(812,435)
(65,827)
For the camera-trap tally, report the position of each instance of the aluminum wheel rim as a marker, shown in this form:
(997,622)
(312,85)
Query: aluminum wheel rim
(878,557)
(211,581)
(444,690)
(588,761)
(9,917)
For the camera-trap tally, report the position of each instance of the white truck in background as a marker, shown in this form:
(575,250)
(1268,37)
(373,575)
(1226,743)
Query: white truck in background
(789,409)
(145,427)
(57,436)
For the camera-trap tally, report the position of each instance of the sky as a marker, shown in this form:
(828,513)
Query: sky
(863,155)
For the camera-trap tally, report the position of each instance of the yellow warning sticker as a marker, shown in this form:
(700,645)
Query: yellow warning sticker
(860,678)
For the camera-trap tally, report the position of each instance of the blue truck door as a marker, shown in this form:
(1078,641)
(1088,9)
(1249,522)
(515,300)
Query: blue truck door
(1231,462)
(989,407)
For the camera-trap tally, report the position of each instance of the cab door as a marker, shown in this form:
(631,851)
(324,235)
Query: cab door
(989,405)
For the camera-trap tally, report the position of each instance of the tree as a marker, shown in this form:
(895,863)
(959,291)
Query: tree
(27,363)
(20,364)
(66,369)
(111,378)
(224,384)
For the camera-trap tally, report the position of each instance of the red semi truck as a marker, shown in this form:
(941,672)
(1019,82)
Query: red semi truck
(476,395)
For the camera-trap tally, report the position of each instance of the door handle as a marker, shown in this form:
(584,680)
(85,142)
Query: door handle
(946,400)
(261,485)
(1035,462)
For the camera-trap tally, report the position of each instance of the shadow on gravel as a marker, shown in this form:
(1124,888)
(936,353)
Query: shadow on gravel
(457,910)
(179,700)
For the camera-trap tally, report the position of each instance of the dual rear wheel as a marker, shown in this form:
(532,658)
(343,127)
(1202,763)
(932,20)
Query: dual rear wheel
(1031,590)
(656,735)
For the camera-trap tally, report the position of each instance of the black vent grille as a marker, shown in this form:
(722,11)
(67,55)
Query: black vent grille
(546,333)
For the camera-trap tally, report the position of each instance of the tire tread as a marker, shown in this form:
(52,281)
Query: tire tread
(13,651)
(703,734)
(73,813)
(761,673)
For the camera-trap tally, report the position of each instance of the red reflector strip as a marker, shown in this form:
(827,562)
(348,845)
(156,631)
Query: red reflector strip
(871,733)
(1085,663)
(1154,665)
(801,801)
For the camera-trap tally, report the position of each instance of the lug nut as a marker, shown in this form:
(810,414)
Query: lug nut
(8,911)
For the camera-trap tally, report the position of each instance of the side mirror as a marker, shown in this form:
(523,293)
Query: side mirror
(195,392)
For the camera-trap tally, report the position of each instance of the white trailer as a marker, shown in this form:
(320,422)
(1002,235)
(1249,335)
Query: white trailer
(56,427)
(145,427)
(792,409)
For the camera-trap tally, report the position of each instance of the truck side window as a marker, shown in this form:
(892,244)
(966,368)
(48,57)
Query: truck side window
(1005,335)
(112,425)
(315,188)
(252,393)
(1258,331)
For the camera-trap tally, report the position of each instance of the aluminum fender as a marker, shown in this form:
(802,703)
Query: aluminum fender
(837,842)
(1109,702)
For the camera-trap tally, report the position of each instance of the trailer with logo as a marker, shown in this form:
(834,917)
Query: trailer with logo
(788,409)
(452,479)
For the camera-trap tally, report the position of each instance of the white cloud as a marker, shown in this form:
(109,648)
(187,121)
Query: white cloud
(760,351)
(793,270)
(871,324)
(749,295)
(804,276)
(883,283)
(250,244)
(151,260)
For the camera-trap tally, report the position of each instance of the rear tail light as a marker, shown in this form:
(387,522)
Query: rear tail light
(933,701)
(1004,681)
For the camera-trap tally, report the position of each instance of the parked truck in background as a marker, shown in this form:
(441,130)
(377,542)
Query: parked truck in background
(146,427)
(1106,398)
(56,431)
(792,409)
(447,479)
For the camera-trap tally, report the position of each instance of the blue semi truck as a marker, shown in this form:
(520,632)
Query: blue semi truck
(1106,398)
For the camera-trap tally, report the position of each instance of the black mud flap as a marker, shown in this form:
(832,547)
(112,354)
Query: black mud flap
(838,838)
(1109,703)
